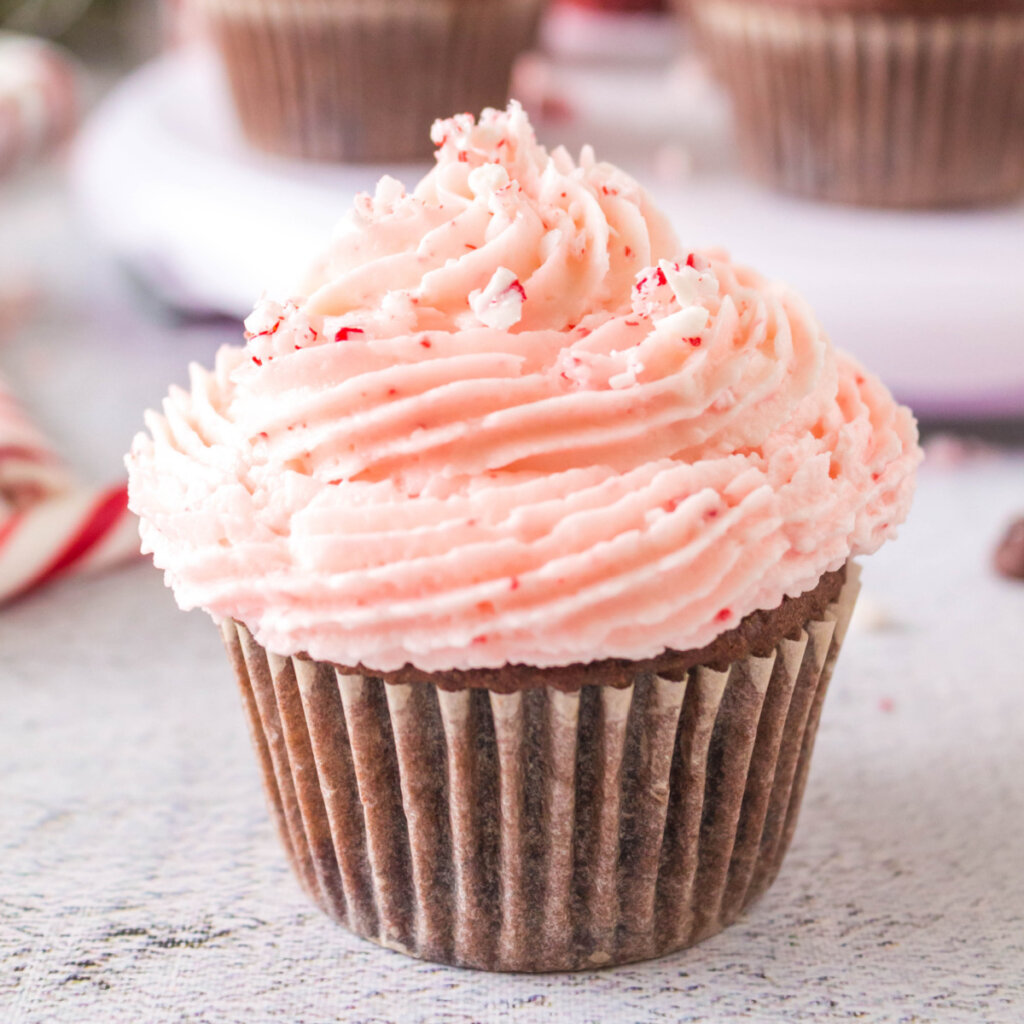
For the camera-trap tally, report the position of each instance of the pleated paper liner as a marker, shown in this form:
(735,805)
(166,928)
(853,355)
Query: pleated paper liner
(884,109)
(540,830)
(363,80)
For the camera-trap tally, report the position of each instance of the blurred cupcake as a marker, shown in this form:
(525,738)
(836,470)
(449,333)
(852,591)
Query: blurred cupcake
(881,102)
(621,6)
(529,530)
(357,79)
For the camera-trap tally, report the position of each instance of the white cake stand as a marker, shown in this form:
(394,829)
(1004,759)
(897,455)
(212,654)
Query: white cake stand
(934,302)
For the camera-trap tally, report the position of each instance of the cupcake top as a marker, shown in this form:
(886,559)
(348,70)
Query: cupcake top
(510,419)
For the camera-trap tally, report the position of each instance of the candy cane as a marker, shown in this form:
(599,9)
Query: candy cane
(82,531)
(29,468)
(51,526)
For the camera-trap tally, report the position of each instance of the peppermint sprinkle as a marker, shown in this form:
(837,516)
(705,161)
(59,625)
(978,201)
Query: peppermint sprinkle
(500,304)
(344,333)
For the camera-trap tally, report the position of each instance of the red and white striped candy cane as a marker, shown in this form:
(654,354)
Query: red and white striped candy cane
(50,526)
(81,531)
(29,468)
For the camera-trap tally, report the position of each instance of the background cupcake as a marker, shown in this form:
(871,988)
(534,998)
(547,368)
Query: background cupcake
(358,79)
(529,530)
(887,102)
(621,6)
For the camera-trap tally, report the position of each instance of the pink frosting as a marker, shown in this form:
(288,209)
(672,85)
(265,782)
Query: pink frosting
(512,420)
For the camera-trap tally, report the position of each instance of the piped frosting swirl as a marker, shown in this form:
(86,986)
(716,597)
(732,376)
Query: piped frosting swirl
(512,420)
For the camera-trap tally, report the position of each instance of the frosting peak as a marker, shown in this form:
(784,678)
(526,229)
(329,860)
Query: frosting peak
(512,419)
(497,203)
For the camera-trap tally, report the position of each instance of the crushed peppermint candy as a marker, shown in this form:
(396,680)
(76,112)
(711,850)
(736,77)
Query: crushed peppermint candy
(344,333)
(274,328)
(577,368)
(690,284)
(486,180)
(673,296)
(500,304)
(628,377)
(265,319)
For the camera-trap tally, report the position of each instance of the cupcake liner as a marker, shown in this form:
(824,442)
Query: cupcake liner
(875,108)
(543,829)
(364,79)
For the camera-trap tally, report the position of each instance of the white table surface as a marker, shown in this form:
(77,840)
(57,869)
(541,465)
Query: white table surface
(141,882)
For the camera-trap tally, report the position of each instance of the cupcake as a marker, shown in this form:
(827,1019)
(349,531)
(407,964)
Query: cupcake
(621,6)
(357,80)
(530,534)
(882,102)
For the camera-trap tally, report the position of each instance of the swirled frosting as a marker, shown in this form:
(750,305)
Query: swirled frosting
(511,419)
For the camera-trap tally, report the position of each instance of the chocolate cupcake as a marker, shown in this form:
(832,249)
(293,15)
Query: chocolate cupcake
(621,6)
(882,102)
(357,80)
(529,532)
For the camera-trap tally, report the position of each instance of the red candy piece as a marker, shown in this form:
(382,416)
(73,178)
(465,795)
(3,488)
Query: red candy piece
(345,333)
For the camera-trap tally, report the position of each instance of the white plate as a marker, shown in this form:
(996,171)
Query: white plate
(934,302)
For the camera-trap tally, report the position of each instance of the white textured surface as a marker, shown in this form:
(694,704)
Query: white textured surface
(140,881)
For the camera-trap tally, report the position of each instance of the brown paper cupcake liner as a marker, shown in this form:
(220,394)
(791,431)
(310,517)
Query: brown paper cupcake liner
(544,829)
(874,108)
(363,80)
